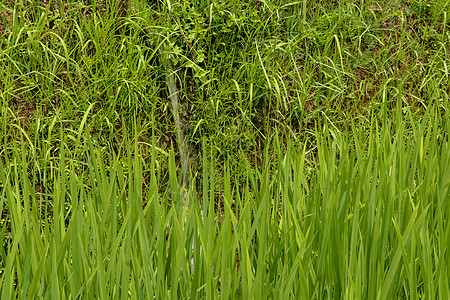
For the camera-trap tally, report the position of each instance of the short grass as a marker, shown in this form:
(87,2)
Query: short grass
(317,130)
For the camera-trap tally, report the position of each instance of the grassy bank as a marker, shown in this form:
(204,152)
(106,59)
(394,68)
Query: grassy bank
(317,135)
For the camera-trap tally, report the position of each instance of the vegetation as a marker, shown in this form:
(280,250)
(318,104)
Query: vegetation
(317,134)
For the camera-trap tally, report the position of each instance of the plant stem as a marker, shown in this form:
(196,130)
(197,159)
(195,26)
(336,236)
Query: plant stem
(174,100)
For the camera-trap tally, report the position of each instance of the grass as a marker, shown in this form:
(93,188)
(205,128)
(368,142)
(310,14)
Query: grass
(317,134)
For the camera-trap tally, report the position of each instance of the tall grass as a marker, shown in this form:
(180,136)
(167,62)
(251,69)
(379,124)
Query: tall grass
(368,221)
(318,132)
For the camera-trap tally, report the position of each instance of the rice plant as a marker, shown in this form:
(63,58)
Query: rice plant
(368,221)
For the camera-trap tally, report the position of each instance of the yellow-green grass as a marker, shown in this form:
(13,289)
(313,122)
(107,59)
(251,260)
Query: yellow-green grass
(369,221)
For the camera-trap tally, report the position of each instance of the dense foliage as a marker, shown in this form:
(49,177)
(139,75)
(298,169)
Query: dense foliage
(318,135)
